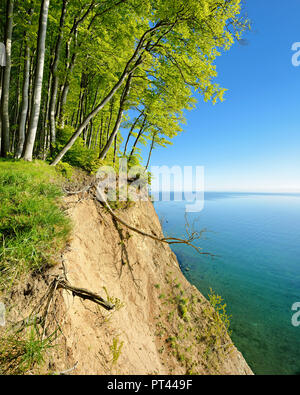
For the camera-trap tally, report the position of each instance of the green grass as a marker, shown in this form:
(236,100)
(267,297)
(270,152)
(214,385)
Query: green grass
(116,349)
(21,352)
(33,228)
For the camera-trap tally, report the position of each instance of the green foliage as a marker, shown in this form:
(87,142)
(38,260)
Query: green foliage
(221,317)
(79,155)
(98,39)
(113,300)
(183,308)
(33,227)
(65,170)
(116,349)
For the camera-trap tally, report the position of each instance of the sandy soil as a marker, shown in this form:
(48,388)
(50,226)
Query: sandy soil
(142,277)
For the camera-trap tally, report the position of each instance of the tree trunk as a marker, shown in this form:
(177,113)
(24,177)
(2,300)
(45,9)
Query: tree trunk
(118,121)
(130,132)
(151,149)
(54,87)
(38,82)
(18,103)
(25,103)
(97,137)
(70,64)
(90,137)
(5,143)
(100,138)
(110,118)
(31,77)
(138,137)
(115,150)
(65,91)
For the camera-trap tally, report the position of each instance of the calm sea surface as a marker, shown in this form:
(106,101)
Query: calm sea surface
(257,271)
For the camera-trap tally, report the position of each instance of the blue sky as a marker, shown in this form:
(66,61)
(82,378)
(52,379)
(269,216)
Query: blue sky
(251,141)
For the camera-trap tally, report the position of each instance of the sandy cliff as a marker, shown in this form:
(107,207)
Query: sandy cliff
(161,325)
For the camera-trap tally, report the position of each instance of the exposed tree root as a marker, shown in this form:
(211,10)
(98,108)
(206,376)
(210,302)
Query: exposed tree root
(168,240)
(84,294)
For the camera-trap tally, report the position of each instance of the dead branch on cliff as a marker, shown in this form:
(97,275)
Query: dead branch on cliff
(192,236)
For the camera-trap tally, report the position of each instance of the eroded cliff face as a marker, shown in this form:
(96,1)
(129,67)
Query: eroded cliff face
(161,324)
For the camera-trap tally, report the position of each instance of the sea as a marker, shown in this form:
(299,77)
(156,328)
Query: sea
(255,240)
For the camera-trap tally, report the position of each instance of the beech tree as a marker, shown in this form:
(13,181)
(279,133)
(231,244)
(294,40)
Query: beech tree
(38,81)
(87,81)
(6,80)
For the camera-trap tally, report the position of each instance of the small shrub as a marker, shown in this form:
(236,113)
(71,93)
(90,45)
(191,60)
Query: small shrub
(116,349)
(65,169)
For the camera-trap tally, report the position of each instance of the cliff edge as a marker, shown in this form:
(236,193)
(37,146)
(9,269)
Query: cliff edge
(161,324)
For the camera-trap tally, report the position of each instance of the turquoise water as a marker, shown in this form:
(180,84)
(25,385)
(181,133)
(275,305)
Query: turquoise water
(257,271)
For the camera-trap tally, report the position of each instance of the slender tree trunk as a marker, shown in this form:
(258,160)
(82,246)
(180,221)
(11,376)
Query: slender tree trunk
(18,103)
(31,77)
(109,120)
(138,137)
(115,149)
(54,87)
(65,92)
(151,149)
(70,64)
(46,118)
(130,132)
(97,136)
(119,119)
(5,143)
(91,135)
(92,123)
(25,103)
(100,138)
(37,92)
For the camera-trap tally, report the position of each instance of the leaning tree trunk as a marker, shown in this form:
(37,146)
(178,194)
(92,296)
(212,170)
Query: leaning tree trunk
(38,82)
(133,63)
(89,118)
(151,149)
(6,80)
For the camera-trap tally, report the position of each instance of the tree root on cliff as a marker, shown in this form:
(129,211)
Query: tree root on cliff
(192,236)
(84,294)
(40,312)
